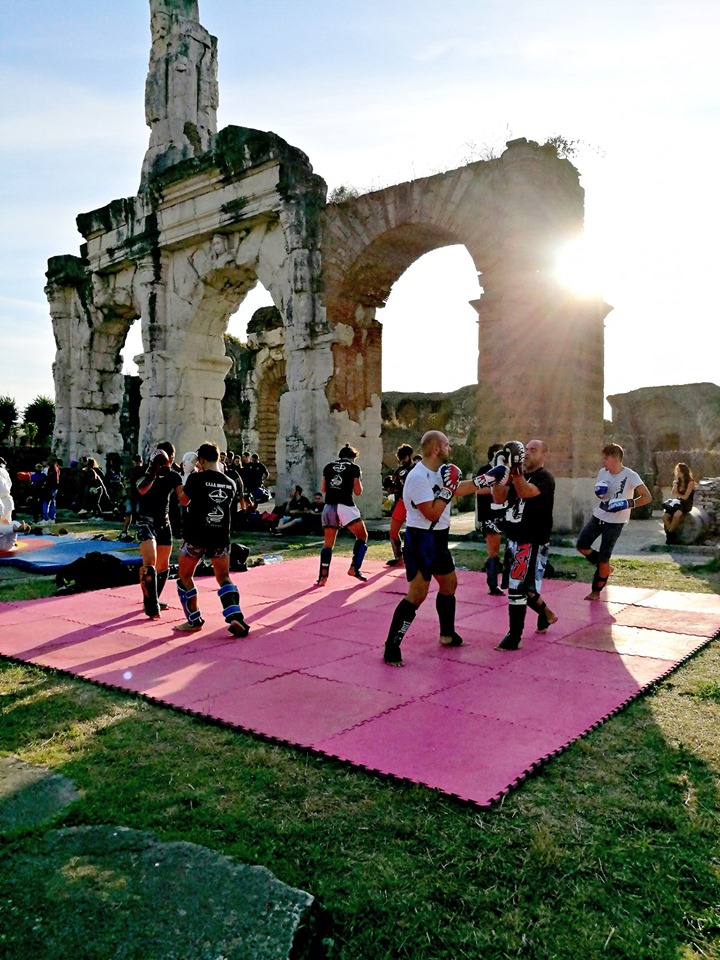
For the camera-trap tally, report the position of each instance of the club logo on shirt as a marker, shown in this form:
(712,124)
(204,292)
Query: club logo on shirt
(216,516)
(218,495)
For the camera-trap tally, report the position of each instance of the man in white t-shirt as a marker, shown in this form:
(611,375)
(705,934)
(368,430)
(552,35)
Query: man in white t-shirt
(428,491)
(618,489)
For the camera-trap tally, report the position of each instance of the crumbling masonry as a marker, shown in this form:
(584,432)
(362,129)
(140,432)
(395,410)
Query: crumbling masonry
(218,211)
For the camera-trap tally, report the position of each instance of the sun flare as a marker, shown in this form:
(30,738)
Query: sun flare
(578,267)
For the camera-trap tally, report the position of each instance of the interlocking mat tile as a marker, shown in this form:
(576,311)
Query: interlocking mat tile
(471,721)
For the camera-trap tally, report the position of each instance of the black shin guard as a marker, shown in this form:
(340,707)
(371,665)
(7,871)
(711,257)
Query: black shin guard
(445,606)
(598,582)
(325,558)
(517,609)
(162,580)
(492,569)
(149,584)
(396,548)
(402,618)
(593,557)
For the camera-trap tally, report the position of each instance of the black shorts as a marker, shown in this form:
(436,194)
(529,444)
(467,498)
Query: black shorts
(154,528)
(427,552)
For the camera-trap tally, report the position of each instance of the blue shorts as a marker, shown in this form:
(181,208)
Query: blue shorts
(427,552)
(150,528)
(527,566)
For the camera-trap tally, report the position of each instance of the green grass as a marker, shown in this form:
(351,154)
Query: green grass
(611,850)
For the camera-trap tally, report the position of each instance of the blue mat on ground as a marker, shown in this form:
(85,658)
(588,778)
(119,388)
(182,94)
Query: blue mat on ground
(51,554)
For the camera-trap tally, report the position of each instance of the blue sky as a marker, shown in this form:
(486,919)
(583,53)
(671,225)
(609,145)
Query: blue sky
(381,92)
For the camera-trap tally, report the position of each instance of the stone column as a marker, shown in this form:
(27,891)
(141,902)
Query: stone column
(87,370)
(540,374)
(181,90)
(184,365)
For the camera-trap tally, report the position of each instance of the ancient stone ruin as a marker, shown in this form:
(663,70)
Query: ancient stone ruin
(218,211)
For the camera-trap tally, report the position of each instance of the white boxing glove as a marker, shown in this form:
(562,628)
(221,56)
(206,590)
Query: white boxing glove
(189,462)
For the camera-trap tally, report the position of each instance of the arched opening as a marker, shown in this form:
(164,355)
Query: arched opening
(430,338)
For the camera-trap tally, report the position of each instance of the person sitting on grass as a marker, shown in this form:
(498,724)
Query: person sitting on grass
(294,512)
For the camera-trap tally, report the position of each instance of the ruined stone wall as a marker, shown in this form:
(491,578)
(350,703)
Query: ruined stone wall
(671,418)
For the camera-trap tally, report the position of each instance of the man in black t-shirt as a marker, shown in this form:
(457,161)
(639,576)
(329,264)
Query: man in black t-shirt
(154,532)
(487,518)
(529,493)
(208,496)
(341,482)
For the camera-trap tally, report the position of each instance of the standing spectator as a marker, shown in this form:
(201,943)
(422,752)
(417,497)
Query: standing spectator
(159,481)
(37,482)
(208,496)
(50,490)
(256,473)
(529,491)
(488,520)
(615,487)
(397,517)
(680,501)
(95,488)
(341,482)
(132,497)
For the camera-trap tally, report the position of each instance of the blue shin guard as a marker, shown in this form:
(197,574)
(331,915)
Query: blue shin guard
(230,599)
(359,551)
(194,617)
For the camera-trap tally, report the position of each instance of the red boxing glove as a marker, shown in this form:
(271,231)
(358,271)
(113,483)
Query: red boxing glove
(498,474)
(451,477)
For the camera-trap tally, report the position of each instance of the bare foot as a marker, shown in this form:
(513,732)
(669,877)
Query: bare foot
(593,595)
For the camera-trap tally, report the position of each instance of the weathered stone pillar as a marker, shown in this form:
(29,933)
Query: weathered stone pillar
(87,371)
(184,365)
(540,374)
(181,90)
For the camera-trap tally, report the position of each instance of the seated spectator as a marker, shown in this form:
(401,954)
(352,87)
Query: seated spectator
(680,501)
(294,512)
(313,517)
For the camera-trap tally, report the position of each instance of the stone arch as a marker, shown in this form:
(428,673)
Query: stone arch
(510,214)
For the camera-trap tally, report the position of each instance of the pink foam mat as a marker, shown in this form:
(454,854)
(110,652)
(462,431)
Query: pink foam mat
(470,721)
